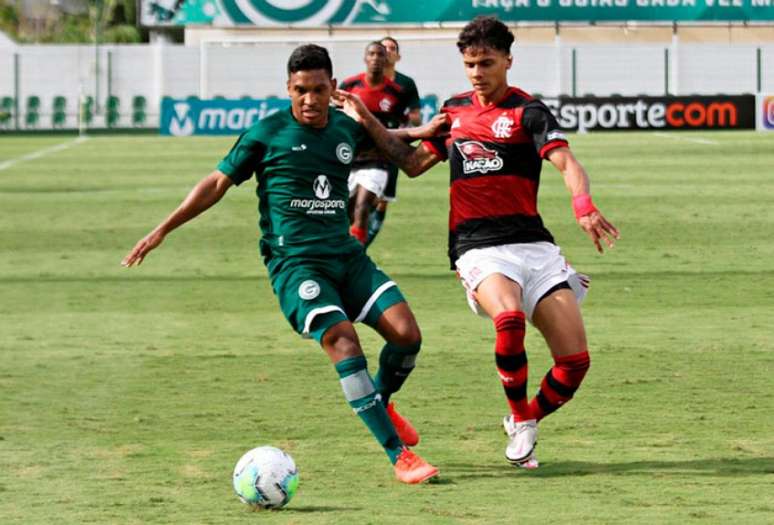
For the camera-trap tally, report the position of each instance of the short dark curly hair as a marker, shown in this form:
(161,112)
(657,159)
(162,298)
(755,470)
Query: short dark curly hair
(309,57)
(485,31)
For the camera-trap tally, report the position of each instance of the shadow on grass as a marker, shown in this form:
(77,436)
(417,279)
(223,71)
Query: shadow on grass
(716,467)
(314,509)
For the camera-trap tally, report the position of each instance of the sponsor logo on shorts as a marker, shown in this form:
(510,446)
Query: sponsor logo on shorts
(344,153)
(478,158)
(308,290)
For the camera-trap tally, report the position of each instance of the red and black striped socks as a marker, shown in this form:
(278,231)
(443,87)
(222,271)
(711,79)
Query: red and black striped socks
(560,384)
(511,360)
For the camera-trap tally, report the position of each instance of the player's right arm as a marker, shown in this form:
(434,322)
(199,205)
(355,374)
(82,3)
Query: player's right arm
(412,160)
(203,196)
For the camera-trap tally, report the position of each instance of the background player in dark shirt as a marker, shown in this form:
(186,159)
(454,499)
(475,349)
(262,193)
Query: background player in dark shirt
(506,258)
(389,102)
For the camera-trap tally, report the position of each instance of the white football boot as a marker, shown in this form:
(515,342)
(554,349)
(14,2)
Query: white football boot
(522,439)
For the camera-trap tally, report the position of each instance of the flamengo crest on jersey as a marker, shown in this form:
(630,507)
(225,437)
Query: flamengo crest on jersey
(477,158)
(502,127)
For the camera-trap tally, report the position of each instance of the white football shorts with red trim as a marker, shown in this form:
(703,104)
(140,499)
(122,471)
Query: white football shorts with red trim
(536,267)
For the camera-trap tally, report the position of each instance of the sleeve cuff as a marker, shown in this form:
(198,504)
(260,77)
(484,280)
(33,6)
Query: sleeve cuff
(433,148)
(228,170)
(550,146)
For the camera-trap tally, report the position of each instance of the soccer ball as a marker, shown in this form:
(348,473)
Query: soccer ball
(265,477)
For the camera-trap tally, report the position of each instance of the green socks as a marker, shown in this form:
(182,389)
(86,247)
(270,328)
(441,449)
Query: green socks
(395,364)
(375,221)
(362,396)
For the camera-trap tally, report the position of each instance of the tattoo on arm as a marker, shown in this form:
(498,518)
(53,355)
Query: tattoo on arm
(397,151)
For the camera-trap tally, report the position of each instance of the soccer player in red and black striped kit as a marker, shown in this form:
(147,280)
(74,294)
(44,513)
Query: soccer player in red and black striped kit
(388,101)
(505,257)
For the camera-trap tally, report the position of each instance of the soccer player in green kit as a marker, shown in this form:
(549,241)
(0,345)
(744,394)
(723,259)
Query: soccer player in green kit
(321,275)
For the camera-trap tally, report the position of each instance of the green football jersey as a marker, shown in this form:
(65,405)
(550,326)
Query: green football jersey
(410,88)
(302,177)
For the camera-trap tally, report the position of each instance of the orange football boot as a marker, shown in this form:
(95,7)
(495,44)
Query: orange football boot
(412,469)
(406,431)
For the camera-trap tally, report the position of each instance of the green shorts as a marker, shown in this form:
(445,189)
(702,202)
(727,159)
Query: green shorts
(317,293)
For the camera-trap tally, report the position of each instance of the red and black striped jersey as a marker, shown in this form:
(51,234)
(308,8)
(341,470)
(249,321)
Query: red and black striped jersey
(495,154)
(388,101)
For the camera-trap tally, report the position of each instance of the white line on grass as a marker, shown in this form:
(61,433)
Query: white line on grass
(687,139)
(41,153)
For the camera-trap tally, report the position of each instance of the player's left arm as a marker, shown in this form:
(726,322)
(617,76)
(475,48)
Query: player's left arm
(551,143)
(589,218)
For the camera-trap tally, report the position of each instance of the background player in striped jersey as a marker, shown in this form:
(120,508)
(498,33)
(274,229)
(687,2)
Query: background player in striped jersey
(504,256)
(389,102)
(413,118)
(323,279)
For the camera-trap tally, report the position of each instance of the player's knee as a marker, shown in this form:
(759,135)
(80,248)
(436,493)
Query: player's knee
(407,335)
(583,363)
(574,366)
(340,345)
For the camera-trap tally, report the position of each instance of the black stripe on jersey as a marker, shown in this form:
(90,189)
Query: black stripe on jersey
(511,363)
(349,84)
(494,231)
(514,100)
(392,89)
(462,100)
(517,159)
(560,388)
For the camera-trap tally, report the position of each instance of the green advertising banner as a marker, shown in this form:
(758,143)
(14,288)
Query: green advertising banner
(306,13)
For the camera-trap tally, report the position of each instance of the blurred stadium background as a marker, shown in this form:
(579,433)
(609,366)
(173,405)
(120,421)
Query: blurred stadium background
(218,49)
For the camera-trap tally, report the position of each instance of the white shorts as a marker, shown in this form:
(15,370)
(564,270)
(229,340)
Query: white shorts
(536,267)
(372,179)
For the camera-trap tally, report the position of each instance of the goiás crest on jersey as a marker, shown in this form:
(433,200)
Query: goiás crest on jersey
(322,187)
(305,12)
(477,158)
(344,153)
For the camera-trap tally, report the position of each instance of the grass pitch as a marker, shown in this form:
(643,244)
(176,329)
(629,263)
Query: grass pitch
(126,396)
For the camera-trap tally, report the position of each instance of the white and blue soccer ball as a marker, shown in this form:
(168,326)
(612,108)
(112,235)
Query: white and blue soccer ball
(266,477)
